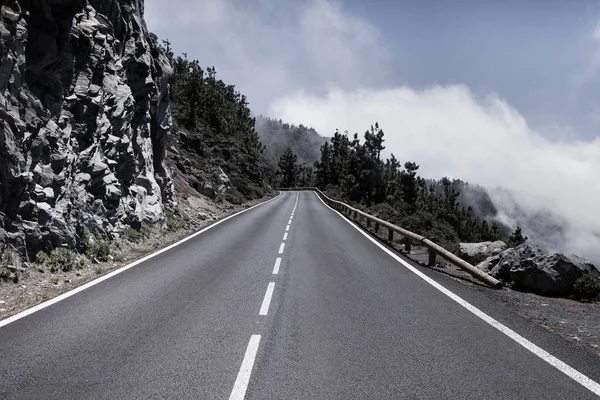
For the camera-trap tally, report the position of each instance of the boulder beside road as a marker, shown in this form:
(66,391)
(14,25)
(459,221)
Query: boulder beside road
(528,268)
(477,252)
(551,274)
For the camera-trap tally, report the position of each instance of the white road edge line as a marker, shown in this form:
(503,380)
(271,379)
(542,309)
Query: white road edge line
(281,247)
(287,228)
(243,377)
(70,293)
(285,236)
(571,372)
(276,267)
(264,308)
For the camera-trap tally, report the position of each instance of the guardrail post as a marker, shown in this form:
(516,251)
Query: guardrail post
(407,245)
(355,215)
(432,255)
(368,223)
(376,227)
(390,235)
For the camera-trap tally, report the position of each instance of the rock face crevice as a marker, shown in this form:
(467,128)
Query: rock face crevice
(85,112)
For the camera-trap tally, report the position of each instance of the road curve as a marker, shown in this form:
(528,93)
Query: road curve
(285,301)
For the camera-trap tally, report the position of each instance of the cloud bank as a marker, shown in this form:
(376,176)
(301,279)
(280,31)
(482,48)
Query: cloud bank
(270,48)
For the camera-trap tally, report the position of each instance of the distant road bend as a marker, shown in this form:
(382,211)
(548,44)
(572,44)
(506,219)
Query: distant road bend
(287,300)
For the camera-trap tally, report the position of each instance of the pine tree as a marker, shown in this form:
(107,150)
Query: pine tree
(516,238)
(288,168)
(324,166)
(408,178)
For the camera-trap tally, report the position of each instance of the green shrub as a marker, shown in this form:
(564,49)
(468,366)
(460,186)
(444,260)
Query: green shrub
(4,273)
(385,212)
(41,258)
(132,235)
(136,235)
(234,196)
(98,249)
(176,221)
(247,189)
(99,271)
(58,259)
(95,248)
(587,287)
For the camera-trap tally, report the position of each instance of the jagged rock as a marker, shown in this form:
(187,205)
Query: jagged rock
(529,268)
(477,252)
(552,274)
(217,184)
(499,266)
(49,193)
(85,113)
(203,216)
(222,181)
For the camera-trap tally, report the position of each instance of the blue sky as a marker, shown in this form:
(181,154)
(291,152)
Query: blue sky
(532,53)
(497,93)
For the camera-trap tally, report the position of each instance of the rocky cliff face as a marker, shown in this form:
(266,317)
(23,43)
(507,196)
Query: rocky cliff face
(84,111)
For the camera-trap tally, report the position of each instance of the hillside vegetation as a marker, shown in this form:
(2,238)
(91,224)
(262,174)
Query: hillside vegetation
(449,211)
(214,145)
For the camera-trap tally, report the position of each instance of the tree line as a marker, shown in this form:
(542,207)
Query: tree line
(354,171)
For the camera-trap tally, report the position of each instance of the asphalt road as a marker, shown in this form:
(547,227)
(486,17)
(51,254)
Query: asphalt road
(269,306)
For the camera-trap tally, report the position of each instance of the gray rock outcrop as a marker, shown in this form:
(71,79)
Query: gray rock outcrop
(499,266)
(216,184)
(85,110)
(527,267)
(551,274)
(477,252)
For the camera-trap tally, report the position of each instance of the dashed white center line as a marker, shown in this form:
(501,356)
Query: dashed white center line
(276,267)
(281,248)
(287,228)
(264,308)
(243,378)
(285,236)
(290,222)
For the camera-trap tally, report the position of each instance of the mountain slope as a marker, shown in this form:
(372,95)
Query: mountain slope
(278,136)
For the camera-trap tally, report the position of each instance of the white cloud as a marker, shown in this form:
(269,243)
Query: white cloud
(270,48)
(450,133)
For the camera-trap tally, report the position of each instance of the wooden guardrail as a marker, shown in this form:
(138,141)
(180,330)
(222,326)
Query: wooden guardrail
(409,238)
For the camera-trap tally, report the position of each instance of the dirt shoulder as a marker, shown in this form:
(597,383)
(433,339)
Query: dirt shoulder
(34,287)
